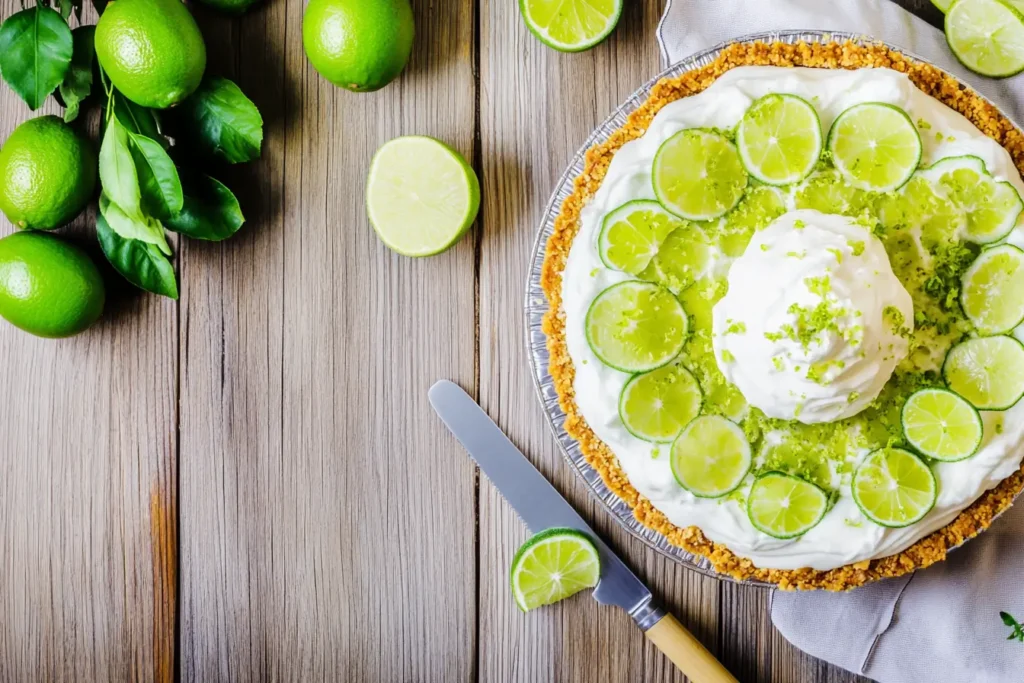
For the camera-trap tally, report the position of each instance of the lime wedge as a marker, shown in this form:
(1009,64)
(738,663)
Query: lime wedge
(759,207)
(552,566)
(991,207)
(632,234)
(656,406)
(894,487)
(987,371)
(571,25)
(636,326)
(785,506)
(698,174)
(684,257)
(992,294)
(421,195)
(987,36)
(942,425)
(779,139)
(711,457)
(875,146)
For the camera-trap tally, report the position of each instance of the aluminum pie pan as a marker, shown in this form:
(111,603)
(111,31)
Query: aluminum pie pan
(536,303)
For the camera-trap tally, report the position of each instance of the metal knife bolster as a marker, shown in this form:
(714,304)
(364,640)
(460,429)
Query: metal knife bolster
(647,614)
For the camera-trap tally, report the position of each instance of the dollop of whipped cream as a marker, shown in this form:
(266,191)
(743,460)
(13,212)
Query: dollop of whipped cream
(815,321)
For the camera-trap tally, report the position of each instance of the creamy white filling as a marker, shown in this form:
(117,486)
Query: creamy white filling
(844,536)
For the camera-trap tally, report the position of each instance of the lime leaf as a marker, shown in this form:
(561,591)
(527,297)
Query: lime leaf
(141,264)
(137,119)
(143,229)
(35,53)
(159,185)
(117,170)
(209,212)
(552,566)
(77,82)
(784,506)
(221,121)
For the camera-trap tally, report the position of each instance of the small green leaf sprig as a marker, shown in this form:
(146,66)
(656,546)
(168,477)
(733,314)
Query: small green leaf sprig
(1018,628)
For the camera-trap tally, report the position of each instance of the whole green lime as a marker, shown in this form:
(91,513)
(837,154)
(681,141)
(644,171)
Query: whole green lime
(151,50)
(230,6)
(47,174)
(48,287)
(361,45)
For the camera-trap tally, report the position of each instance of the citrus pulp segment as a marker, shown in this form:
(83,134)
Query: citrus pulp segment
(875,146)
(987,36)
(784,506)
(636,326)
(942,425)
(698,174)
(552,566)
(987,371)
(779,139)
(571,25)
(711,457)
(992,295)
(632,234)
(894,488)
(657,405)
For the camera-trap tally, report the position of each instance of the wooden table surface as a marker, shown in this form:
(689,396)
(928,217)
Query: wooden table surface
(249,484)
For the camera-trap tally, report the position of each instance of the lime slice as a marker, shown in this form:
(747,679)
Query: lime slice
(992,294)
(875,146)
(421,195)
(943,5)
(987,371)
(571,25)
(991,207)
(711,457)
(829,192)
(759,207)
(636,326)
(785,506)
(684,257)
(632,234)
(987,36)
(779,139)
(942,425)
(552,566)
(950,164)
(894,487)
(698,174)
(656,406)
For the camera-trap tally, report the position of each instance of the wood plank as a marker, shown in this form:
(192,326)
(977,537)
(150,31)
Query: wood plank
(328,519)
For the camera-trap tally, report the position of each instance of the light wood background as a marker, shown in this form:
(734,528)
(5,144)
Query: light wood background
(249,484)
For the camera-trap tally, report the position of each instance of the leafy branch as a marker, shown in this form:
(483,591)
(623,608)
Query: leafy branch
(1018,628)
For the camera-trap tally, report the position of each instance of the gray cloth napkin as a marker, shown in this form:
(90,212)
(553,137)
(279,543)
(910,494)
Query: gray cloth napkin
(942,625)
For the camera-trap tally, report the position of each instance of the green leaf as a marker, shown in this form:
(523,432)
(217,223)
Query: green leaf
(137,119)
(117,170)
(35,53)
(77,81)
(1007,619)
(159,184)
(220,120)
(210,210)
(145,229)
(141,264)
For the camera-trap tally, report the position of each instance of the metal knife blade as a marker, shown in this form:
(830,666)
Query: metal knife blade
(534,499)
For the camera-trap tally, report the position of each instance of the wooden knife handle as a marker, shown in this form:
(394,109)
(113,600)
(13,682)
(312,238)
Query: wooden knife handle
(687,653)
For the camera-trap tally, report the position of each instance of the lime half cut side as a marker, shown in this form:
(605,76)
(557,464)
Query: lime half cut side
(711,457)
(942,425)
(785,506)
(698,174)
(657,405)
(779,139)
(987,36)
(875,146)
(632,234)
(894,488)
(987,371)
(992,294)
(552,566)
(636,326)
(421,195)
(571,25)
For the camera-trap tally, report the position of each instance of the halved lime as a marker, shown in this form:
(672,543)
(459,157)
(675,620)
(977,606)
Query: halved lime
(992,294)
(785,506)
(894,488)
(421,195)
(991,207)
(711,456)
(657,405)
(684,257)
(759,207)
(779,139)
(875,146)
(552,566)
(636,326)
(698,174)
(632,234)
(987,36)
(571,25)
(987,371)
(942,425)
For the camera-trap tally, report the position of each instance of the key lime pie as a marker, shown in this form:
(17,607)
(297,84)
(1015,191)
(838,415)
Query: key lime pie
(786,313)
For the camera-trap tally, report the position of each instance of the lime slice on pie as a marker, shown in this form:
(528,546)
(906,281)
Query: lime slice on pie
(987,36)
(875,146)
(552,566)
(711,457)
(894,487)
(992,295)
(683,259)
(992,207)
(636,326)
(779,139)
(632,234)
(785,506)
(829,192)
(759,207)
(657,405)
(942,425)
(698,174)
(987,371)
(571,25)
